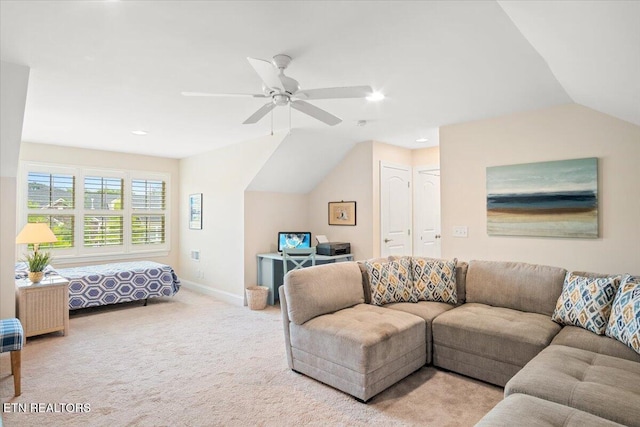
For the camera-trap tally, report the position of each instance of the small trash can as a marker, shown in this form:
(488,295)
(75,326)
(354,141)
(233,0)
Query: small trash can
(257,297)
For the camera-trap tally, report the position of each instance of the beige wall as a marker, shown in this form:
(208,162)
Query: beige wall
(350,180)
(357,178)
(265,215)
(56,154)
(563,132)
(429,156)
(7,246)
(14,80)
(221,176)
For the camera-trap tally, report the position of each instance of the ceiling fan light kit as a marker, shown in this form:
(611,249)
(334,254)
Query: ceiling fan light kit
(284,90)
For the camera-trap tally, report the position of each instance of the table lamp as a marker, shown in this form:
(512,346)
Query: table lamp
(36,233)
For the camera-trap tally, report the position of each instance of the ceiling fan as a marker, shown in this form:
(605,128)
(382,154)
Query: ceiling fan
(283,90)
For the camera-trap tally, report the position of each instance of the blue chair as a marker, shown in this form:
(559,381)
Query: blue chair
(12,339)
(298,257)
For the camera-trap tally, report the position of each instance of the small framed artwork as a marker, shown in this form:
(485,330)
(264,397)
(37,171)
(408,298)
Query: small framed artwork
(195,211)
(342,213)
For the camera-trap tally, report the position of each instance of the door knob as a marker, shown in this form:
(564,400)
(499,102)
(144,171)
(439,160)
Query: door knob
(388,240)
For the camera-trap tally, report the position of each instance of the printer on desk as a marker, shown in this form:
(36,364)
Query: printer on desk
(333,248)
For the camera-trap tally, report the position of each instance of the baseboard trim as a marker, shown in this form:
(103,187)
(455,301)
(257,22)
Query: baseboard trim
(221,295)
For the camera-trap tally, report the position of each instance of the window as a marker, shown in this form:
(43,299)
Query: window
(147,229)
(103,230)
(108,213)
(103,193)
(148,199)
(102,196)
(49,195)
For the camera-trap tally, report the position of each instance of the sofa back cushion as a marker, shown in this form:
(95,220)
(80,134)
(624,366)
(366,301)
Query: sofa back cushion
(516,285)
(314,291)
(366,284)
(461,281)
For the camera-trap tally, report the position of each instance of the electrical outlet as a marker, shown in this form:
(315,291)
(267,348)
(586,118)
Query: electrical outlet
(195,255)
(460,231)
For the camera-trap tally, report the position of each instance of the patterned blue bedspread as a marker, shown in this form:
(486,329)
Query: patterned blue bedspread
(118,282)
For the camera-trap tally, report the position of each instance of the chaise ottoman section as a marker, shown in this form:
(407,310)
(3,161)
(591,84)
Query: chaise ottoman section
(360,350)
(489,343)
(605,386)
(524,410)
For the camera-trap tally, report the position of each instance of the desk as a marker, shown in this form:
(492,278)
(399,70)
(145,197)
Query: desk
(271,273)
(43,307)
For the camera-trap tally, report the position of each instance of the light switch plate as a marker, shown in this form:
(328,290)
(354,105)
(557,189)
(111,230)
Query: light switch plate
(460,231)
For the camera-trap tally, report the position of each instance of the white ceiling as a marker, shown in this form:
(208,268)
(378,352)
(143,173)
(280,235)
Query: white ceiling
(102,69)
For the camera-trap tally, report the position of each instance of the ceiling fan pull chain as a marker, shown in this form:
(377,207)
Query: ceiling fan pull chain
(271,122)
(289,117)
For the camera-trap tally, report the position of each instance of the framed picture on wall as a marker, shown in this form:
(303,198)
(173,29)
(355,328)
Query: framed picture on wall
(195,211)
(342,213)
(544,199)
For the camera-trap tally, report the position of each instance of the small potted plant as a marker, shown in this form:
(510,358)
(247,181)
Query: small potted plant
(37,262)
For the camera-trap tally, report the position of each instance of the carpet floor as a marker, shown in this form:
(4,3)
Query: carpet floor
(192,360)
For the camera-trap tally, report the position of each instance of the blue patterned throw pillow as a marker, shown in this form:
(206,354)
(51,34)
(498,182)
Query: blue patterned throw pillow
(390,281)
(624,323)
(434,279)
(586,302)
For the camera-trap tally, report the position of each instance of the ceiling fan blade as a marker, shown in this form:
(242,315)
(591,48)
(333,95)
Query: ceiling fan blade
(238,95)
(263,111)
(335,92)
(316,112)
(267,73)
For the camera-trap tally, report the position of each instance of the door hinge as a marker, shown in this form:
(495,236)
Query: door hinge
(409,232)
(408,184)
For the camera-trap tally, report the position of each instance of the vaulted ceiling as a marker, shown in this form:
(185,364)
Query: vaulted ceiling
(102,69)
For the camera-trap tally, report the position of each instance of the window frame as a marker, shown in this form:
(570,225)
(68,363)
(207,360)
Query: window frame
(79,252)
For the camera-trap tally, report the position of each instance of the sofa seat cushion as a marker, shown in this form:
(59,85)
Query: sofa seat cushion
(574,336)
(497,333)
(606,386)
(427,310)
(524,410)
(362,338)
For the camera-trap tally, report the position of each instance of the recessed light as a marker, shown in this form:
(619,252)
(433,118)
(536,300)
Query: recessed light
(375,96)
(421,140)
(139,132)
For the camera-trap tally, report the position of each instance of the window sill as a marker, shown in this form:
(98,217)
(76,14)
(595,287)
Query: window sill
(60,261)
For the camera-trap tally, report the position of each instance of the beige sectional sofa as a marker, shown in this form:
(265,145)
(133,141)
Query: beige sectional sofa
(499,330)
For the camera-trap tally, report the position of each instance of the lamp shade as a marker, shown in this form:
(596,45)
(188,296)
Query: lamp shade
(36,233)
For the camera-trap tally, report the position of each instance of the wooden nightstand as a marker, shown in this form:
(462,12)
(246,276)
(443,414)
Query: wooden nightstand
(43,307)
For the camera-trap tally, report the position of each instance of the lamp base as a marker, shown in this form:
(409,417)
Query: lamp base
(36,276)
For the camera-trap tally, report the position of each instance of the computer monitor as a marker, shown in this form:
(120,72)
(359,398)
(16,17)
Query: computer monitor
(294,239)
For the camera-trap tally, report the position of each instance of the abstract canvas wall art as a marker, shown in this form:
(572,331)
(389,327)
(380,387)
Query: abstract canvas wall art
(546,199)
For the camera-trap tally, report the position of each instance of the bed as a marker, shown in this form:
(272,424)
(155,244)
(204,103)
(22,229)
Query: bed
(105,284)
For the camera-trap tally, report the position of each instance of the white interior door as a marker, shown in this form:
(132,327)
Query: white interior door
(395,209)
(426,214)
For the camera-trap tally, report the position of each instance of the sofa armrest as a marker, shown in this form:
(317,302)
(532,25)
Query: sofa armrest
(285,324)
(314,291)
